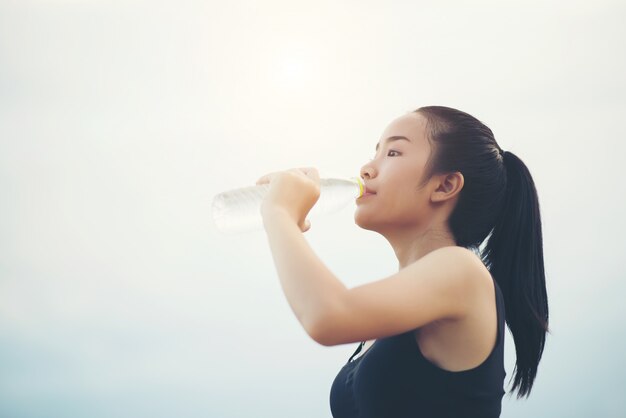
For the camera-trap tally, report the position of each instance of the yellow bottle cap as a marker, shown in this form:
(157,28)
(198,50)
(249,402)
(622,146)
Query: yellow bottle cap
(361,186)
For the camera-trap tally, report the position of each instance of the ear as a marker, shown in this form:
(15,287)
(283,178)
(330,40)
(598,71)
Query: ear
(449,186)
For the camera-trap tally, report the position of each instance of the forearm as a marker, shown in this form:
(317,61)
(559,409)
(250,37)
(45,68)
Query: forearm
(310,287)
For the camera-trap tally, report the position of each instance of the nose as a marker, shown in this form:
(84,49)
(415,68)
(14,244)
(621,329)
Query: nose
(367,171)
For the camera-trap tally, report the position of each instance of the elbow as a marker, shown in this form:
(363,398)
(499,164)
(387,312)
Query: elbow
(318,334)
(323,330)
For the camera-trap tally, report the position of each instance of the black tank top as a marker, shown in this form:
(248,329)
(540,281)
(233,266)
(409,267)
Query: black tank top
(392,379)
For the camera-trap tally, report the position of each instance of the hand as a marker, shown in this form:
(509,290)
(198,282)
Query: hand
(293,191)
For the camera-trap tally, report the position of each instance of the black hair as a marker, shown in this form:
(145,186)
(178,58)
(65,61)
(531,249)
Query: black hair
(498,203)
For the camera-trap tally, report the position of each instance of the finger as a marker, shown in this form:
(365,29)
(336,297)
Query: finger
(309,172)
(266,178)
(313,173)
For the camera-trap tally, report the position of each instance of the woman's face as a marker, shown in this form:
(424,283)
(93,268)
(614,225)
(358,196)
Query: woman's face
(394,174)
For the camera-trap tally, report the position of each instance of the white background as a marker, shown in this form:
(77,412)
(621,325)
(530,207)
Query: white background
(119,120)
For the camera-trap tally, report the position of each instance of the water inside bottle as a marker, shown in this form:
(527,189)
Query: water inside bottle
(238,210)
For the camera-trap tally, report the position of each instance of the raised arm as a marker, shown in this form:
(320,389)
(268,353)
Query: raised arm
(439,285)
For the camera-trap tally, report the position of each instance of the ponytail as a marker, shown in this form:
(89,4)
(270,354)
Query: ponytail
(514,256)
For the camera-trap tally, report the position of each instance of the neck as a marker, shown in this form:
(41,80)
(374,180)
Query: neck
(412,243)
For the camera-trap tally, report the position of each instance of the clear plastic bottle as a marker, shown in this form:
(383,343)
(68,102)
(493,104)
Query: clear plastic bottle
(239,210)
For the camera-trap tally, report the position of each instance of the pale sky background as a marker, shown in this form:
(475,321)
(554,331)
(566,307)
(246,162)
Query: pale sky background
(119,120)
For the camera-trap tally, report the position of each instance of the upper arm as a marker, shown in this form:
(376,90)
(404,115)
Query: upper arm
(439,285)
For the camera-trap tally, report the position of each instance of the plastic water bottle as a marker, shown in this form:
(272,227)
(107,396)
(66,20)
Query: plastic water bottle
(239,210)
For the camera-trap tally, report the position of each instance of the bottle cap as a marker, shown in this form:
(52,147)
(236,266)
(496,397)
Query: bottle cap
(360,183)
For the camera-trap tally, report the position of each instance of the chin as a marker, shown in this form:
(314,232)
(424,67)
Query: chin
(363,222)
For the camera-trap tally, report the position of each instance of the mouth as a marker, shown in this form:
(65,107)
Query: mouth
(366,194)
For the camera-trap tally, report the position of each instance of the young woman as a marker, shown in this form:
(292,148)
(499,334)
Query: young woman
(438,187)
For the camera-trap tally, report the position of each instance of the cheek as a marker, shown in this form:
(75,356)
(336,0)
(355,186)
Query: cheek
(405,200)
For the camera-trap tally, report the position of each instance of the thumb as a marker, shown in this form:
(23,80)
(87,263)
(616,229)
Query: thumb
(307,225)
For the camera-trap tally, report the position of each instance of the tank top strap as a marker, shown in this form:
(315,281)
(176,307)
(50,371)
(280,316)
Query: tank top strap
(500,309)
(358,350)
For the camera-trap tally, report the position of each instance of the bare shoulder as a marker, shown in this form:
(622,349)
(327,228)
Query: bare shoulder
(472,276)
(464,266)
(475,273)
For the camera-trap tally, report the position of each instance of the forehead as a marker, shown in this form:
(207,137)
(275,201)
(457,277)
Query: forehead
(412,126)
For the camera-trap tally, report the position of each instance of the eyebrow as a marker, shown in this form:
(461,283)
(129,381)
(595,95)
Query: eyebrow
(393,138)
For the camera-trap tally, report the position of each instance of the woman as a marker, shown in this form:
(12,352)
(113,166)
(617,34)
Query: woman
(438,187)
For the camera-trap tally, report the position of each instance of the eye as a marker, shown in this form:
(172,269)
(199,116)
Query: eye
(391,150)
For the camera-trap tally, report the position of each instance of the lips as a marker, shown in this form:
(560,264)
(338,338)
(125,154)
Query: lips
(368,192)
